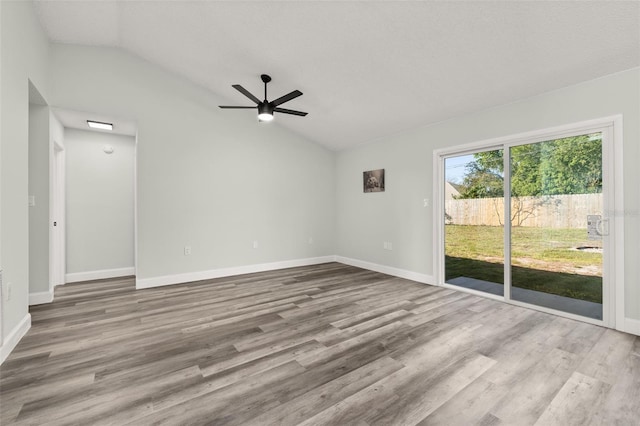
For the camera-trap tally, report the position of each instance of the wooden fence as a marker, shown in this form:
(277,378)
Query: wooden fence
(556,211)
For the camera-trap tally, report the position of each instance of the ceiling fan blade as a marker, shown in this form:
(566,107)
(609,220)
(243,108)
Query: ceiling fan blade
(246,93)
(236,107)
(286,98)
(290,111)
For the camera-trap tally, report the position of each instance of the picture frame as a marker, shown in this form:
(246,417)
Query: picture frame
(373,180)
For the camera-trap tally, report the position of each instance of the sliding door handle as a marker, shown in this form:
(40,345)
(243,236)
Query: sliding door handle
(602,226)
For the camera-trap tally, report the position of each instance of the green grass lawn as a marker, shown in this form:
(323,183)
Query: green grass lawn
(542,259)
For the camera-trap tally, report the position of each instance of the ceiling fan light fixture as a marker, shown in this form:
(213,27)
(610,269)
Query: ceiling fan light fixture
(265,116)
(265,112)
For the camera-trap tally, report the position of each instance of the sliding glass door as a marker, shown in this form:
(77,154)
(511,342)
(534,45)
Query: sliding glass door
(526,220)
(557,225)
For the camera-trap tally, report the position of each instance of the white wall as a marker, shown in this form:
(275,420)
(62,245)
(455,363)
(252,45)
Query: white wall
(39,188)
(99,189)
(364,221)
(208,178)
(25,56)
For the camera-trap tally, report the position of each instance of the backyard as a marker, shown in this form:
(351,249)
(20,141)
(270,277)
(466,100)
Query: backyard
(543,259)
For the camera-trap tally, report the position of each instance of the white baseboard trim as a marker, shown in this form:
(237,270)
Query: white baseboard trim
(75,277)
(14,336)
(631,326)
(40,298)
(389,270)
(228,272)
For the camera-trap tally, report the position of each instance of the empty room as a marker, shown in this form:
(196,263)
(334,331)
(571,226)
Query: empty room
(319,212)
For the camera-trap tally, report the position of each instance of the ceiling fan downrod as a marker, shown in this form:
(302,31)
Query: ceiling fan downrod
(265,79)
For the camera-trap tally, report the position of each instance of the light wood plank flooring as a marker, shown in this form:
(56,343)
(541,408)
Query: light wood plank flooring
(326,344)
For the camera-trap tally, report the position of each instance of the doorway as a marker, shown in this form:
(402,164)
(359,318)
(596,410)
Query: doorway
(93,197)
(527,219)
(58,249)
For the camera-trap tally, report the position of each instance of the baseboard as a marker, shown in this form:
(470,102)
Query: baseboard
(631,326)
(228,272)
(40,298)
(389,270)
(99,275)
(12,339)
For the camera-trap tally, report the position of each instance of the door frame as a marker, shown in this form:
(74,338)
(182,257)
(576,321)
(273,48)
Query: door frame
(57,214)
(613,203)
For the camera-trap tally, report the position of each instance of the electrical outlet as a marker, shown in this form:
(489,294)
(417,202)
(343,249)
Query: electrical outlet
(32,200)
(255,244)
(426,202)
(187,250)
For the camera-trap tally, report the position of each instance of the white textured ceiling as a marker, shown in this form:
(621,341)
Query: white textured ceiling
(367,69)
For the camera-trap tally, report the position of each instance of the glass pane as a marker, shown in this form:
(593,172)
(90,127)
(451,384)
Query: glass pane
(474,222)
(556,227)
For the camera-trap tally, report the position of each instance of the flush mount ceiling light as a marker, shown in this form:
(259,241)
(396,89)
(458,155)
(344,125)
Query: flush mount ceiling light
(266,108)
(99,125)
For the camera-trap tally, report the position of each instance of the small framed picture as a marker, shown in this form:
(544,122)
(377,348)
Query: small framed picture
(373,180)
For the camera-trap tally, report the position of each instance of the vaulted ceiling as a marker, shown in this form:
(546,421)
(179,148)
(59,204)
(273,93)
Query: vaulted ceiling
(368,69)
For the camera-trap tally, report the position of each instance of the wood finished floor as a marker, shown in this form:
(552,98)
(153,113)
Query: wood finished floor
(326,344)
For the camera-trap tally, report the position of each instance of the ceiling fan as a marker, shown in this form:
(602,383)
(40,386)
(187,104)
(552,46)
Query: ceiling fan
(266,108)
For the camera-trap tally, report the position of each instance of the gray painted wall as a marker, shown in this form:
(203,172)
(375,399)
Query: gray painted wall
(99,207)
(39,188)
(364,221)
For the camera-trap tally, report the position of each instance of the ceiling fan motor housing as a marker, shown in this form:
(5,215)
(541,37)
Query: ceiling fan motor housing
(265,108)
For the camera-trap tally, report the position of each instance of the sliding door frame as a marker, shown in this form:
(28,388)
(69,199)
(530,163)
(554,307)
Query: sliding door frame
(613,208)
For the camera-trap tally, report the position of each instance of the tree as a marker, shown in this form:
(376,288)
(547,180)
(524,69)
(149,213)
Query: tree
(562,166)
(571,166)
(484,177)
(538,170)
